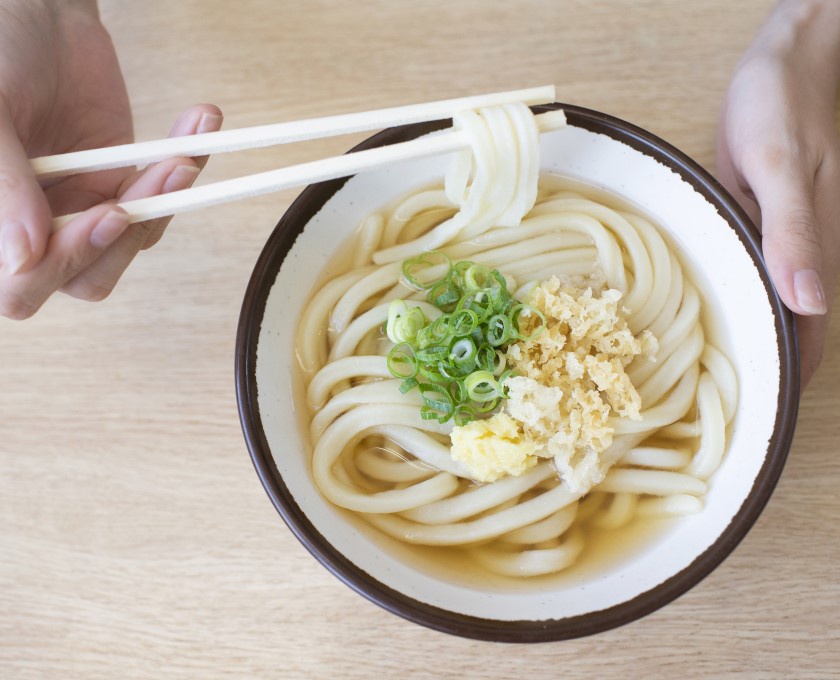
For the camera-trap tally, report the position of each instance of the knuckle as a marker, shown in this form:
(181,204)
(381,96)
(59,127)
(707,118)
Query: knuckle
(791,152)
(801,224)
(88,290)
(797,231)
(9,184)
(74,261)
(17,307)
(774,157)
(96,293)
(154,236)
(8,181)
(790,157)
(144,230)
(136,235)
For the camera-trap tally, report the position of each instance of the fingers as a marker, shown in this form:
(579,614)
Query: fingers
(182,177)
(811,334)
(794,250)
(165,177)
(798,242)
(97,280)
(791,235)
(731,179)
(88,256)
(195,120)
(778,152)
(25,218)
(68,252)
(162,178)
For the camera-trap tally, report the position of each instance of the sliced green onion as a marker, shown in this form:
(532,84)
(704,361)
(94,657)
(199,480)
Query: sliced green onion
(463,414)
(481,386)
(412,268)
(404,323)
(499,329)
(402,362)
(479,301)
(485,357)
(499,363)
(442,294)
(440,328)
(445,299)
(396,309)
(463,352)
(431,354)
(439,403)
(514,314)
(458,391)
(500,280)
(435,390)
(456,361)
(503,389)
(424,337)
(463,322)
(459,269)
(487,406)
(476,277)
(408,384)
(433,374)
(452,372)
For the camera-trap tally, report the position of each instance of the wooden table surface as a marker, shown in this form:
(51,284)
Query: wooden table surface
(135,538)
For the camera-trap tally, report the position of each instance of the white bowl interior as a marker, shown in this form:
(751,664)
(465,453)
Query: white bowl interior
(744,312)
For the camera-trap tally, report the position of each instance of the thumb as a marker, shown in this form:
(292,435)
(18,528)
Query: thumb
(791,234)
(25,216)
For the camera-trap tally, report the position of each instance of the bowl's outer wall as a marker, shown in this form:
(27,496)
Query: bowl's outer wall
(307,205)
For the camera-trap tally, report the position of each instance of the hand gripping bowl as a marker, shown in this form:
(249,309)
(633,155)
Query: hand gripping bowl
(716,240)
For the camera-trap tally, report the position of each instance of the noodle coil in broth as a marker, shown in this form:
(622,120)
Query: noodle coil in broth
(375,455)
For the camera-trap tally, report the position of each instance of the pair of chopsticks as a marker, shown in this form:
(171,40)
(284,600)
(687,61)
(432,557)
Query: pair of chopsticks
(283,133)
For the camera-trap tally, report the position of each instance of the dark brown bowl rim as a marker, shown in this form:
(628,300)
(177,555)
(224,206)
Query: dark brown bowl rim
(265,271)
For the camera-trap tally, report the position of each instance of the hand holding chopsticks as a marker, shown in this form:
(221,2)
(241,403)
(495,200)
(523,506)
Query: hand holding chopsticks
(61,88)
(87,258)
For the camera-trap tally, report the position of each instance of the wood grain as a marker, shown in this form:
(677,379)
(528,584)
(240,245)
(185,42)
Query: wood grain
(136,540)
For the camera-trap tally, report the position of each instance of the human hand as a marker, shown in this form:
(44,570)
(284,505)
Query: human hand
(779,155)
(61,90)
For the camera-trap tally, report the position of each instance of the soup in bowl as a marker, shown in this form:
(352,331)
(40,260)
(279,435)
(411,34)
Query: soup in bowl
(533,432)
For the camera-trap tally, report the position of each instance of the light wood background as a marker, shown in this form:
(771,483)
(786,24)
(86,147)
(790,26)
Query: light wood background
(135,538)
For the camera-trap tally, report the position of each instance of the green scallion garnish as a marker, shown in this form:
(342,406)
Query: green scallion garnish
(456,361)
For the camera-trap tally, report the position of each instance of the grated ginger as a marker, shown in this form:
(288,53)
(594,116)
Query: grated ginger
(493,448)
(568,382)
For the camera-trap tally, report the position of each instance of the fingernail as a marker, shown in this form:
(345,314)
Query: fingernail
(180,178)
(108,229)
(809,291)
(209,122)
(15,248)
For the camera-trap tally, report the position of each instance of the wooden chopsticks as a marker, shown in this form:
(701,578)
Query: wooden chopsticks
(281,133)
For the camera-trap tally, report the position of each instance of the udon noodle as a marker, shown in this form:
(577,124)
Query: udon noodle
(374,455)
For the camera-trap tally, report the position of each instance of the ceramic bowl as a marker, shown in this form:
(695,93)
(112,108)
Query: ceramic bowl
(716,240)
